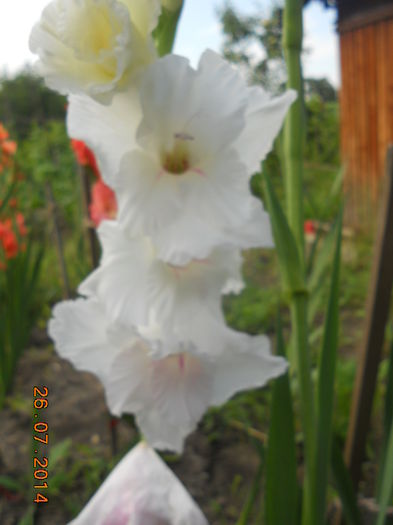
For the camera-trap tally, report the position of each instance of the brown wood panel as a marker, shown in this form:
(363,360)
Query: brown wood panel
(366,110)
(372,131)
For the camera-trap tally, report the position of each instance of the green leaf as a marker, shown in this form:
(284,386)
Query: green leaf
(344,485)
(281,484)
(28,518)
(287,251)
(58,452)
(11,485)
(386,490)
(319,270)
(387,420)
(255,490)
(326,375)
(165,32)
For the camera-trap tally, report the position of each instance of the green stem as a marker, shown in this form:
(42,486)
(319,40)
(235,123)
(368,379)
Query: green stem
(293,164)
(165,33)
(294,125)
(303,366)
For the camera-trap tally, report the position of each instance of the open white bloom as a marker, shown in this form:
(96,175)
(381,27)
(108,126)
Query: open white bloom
(94,46)
(140,290)
(141,490)
(203,134)
(168,393)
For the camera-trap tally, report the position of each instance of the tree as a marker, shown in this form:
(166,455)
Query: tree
(320,87)
(24,100)
(255,43)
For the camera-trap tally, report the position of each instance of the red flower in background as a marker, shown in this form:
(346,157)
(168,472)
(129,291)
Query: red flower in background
(309,227)
(9,147)
(12,221)
(3,133)
(310,230)
(84,155)
(8,239)
(20,221)
(103,203)
(10,244)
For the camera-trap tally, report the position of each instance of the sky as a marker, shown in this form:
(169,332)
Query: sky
(199,29)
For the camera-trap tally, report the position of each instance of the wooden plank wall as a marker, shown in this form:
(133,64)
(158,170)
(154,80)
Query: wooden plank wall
(366,102)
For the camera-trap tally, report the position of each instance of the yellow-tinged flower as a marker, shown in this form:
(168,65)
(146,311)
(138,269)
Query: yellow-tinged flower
(94,46)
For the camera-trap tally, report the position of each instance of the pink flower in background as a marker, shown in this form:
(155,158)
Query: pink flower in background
(103,203)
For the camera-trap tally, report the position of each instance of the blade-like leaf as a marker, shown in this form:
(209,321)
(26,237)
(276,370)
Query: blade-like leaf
(252,497)
(11,484)
(287,251)
(165,32)
(319,270)
(281,484)
(388,418)
(58,452)
(326,375)
(386,490)
(344,485)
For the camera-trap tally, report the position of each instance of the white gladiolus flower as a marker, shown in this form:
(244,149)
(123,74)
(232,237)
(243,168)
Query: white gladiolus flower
(141,490)
(168,393)
(94,46)
(203,134)
(140,290)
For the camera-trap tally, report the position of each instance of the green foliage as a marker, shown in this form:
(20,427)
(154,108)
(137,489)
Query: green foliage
(18,311)
(320,88)
(326,382)
(281,484)
(322,131)
(45,157)
(344,485)
(24,101)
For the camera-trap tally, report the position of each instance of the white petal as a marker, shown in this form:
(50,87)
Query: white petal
(207,104)
(264,119)
(78,329)
(139,290)
(127,383)
(141,488)
(108,130)
(121,282)
(147,201)
(247,363)
(144,14)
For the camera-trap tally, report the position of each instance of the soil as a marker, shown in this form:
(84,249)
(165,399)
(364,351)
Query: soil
(217,474)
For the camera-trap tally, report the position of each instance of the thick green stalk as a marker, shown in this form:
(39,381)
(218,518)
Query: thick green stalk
(293,168)
(165,33)
(306,393)
(294,124)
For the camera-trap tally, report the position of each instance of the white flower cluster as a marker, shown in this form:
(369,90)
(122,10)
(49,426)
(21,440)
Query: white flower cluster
(178,146)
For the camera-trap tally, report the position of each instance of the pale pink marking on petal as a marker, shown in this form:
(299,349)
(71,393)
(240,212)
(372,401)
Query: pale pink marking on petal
(181,362)
(199,172)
